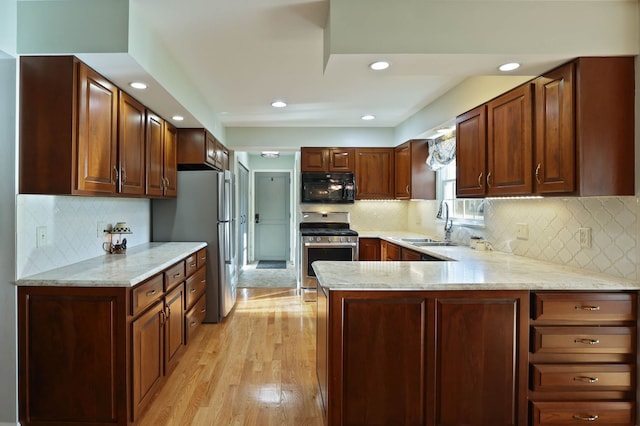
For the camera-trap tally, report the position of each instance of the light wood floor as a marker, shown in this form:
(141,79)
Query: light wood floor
(256,368)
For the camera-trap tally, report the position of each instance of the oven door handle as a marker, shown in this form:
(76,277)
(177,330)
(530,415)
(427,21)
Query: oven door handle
(330,245)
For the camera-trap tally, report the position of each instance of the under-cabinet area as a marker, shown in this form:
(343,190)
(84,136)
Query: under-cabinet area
(96,352)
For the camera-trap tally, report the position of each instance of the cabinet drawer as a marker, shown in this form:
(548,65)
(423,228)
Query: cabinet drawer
(572,413)
(581,340)
(201,257)
(174,275)
(584,307)
(145,294)
(191,264)
(196,285)
(583,377)
(194,317)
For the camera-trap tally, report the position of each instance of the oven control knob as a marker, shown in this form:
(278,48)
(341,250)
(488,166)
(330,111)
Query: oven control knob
(318,239)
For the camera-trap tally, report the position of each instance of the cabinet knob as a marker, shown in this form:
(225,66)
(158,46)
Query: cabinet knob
(175,275)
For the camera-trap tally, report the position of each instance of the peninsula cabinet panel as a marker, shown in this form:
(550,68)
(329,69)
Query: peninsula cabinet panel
(131,137)
(375,173)
(481,360)
(382,357)
(68,128)
(423,357)
(72,356)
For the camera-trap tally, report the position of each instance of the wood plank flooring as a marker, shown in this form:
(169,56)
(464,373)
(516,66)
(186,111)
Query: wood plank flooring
(256,368)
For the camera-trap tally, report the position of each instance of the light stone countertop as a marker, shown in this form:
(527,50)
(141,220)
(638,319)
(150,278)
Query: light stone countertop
(116,270)
(466,269)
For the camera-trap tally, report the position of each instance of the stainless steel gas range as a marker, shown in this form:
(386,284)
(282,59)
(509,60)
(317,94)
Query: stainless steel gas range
(324,236)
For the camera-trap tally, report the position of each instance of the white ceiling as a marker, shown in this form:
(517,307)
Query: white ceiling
(242,54)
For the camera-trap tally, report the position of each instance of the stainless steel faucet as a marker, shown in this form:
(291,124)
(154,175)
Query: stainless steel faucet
(443,213)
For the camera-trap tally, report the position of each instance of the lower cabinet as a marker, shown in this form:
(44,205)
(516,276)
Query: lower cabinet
(423,358)
(98,355)
(369,248)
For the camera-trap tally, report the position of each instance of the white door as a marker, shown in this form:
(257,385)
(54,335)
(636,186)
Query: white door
(272,218)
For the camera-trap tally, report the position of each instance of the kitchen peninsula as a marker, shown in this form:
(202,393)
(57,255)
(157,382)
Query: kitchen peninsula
(97,338)
(482,338)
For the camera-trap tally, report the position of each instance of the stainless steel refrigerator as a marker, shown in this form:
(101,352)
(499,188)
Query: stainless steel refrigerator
(203,211)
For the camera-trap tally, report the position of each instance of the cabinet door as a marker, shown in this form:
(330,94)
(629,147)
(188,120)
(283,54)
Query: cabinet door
(97,133)
(211,153)
(423,179)
(471,152)
(369,249)
(174,326)
(555,151)
(389,251)
(481,361)
(381,354)
(314,159)
(131,145)
(509,135)
(342,160)
(375,174)
(403,171)
(170,160)
(155,155)
(408,254)
(148,355)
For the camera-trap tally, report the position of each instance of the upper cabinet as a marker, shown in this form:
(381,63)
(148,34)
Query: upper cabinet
(375,173)
(161,157)
(339,160)
(68,128)
(79,134)
(199,149)
(567,132)
(413,179)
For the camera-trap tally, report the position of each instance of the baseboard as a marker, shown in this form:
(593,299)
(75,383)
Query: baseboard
(9,424)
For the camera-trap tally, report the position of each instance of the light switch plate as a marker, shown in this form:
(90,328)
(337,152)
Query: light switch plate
(585,237)
(41,236)
(522,231)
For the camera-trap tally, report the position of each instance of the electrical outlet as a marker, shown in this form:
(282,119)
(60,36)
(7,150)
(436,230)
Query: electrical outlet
(41,236)
(585,237)
(522,231)
(101,227)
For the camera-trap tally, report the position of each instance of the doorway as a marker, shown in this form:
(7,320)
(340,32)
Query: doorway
(243,216)
(272,215)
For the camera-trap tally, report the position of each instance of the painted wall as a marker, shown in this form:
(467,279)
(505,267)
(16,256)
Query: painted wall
(8,319)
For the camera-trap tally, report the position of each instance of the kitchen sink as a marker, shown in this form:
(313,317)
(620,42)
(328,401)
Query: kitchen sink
(419,240)
(432,243)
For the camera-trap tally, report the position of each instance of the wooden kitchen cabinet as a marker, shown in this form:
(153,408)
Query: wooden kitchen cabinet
(161,157)
(131,144)
(327,160)
(413,179)
(369,249)
(423,358)
(583,357)
(198,149)
(68,128)
(389,251)
(410,255)
(97,355)
(552,135)
(375,173)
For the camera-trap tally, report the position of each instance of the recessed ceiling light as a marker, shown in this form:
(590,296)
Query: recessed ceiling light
(379,65)
(270,154)
(368,117)
(278,104)
(138,85)
(509,66)
(178,117)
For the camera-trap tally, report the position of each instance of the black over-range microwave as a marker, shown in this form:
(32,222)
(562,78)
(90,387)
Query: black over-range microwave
(328,188)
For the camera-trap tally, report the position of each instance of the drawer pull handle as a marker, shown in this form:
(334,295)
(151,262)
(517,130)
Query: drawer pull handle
(193,290)
(193,323)
(203,258)
(203,310)
(151,293)
(587,308)
(588,418)
(192,265)
(203,281)
(586,379)
(175,275)
(587,341)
